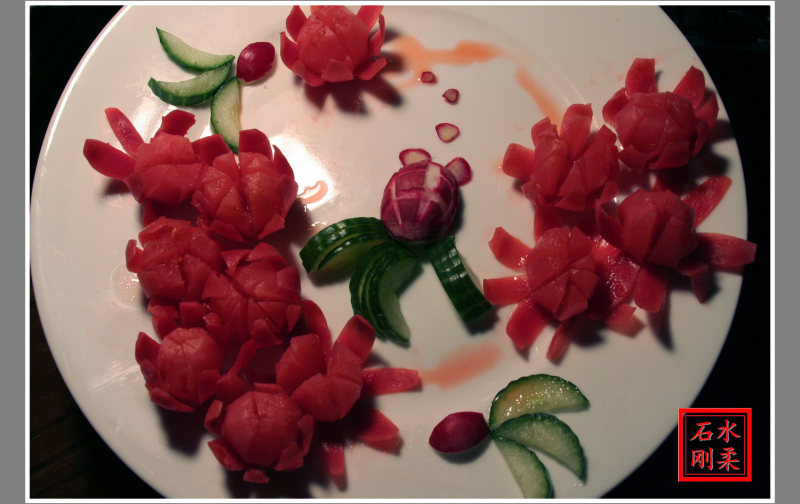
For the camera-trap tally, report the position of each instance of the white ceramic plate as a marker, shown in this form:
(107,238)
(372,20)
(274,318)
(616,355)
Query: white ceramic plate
(91,307)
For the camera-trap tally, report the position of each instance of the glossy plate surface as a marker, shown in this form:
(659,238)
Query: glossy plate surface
(344,146)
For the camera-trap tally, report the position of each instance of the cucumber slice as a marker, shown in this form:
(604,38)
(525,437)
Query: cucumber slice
(546,433)
(377,277)
(191,91)
(533,394)
(189,57)
(529,472)
(457,281)
(226,112)
(340,245)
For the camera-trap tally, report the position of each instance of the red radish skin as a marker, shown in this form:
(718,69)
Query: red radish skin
(509,250)
(181,371)
(176,122)
(412,156)
(619,252)
(427,77)
(684,118)
(725,251)
(376,430)
(218,306)
(506,291)
(333,45)
(255,61)
(261,429)
(705,197)
(447,132)
(124,130)
(526,322)
(451,95)
(108,160)
(380,381)
(208,148)
(334,457)
(458,432)
(460,169)
(420,202)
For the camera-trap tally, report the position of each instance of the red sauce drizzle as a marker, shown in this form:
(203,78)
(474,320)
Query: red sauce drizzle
(419,59)
(462,364)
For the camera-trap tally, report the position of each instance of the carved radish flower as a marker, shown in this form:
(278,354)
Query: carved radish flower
(660,130)
(333,44)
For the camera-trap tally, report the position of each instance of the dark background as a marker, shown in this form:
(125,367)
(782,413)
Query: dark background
(69,459)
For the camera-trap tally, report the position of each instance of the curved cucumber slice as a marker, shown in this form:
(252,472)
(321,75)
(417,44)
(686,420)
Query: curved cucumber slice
(191,91)
(454,276)
(226,112)
(546,433)
(529,472)
(189,57)
(374,285)
(534,394)
(341,244)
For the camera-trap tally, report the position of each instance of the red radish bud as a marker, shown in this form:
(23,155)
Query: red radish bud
(451,95)
(411,156)
(427,77)
(447,132)
(459,431)
(460,169)
(255,61)
(420,202)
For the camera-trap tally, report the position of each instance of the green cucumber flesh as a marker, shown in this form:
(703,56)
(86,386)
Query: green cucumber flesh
(534,394)
(380,299)
(192,91)
(190,57)
(374,287)
(457,281)
(528,471)
(347,253)
(546,433)
(341,244)
(226,112)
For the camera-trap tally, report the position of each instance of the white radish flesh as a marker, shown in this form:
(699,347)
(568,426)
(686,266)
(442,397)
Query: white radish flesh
(460,169)
(451,95)
(447,132)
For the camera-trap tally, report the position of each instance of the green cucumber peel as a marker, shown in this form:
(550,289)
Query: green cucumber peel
(543,432)
(226,111)
(457,281)
(339,246)
(537,393)
(189,57)
(191,91)
(530,474)
(378,277)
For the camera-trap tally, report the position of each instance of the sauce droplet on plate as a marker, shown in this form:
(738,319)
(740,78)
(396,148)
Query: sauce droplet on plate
(420,59)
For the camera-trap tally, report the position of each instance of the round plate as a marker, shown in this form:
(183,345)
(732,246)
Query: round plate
(343,144)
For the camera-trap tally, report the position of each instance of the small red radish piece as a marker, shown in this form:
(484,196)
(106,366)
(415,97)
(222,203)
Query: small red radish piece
(447,131)
(459,431)
(255,61)
(420,202)
(107,159)
(460,169)
(176,122)
(379,381)
(451,95)
(334,457)
(124,130)
(427,77)
(509,250)
(411,156)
